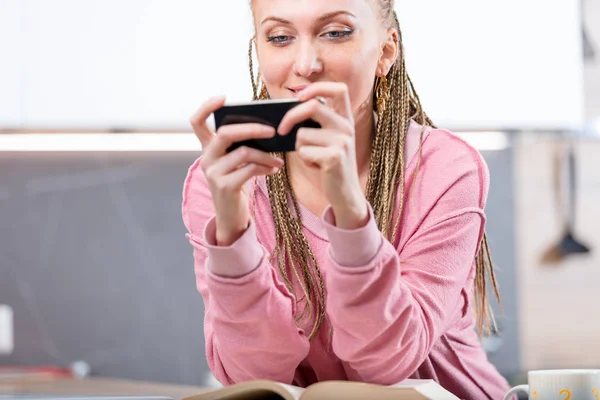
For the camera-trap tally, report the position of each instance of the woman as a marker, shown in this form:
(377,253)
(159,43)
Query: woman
(356,256)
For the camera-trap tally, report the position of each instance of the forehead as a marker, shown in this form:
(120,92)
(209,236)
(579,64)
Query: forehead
(301,11)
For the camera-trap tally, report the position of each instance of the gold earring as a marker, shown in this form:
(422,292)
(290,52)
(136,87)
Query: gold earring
(382,94)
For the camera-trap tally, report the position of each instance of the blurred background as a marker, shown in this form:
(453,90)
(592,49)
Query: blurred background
(95,98)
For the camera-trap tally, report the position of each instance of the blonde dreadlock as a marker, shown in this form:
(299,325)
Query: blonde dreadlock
(385,189)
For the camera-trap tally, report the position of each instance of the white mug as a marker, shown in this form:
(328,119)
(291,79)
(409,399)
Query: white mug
(560,384)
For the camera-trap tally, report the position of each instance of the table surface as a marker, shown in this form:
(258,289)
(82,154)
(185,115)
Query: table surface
(100,386)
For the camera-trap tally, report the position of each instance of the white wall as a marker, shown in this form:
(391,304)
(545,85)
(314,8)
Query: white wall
(11,59)
(150,63)
(496,64)
(106,63)
(592,69)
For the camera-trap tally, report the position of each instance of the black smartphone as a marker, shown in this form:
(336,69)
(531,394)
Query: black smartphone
(266,112)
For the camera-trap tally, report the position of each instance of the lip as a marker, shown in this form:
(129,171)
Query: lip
(297,88)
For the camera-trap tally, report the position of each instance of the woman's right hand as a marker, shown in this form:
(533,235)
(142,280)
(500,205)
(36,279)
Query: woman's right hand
(227,173)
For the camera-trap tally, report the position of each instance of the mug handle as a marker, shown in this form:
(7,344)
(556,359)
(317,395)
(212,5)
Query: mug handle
(515,390)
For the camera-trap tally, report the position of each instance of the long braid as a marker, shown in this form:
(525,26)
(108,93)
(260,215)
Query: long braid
(384,191)
(292,251)
(294,254)
(251,67)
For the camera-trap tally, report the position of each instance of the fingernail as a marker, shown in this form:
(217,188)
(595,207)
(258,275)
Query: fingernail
(301,95)
(304,90)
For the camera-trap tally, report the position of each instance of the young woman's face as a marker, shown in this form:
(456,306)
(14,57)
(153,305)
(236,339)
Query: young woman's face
(304,41)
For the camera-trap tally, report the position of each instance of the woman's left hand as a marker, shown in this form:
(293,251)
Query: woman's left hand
(331,149)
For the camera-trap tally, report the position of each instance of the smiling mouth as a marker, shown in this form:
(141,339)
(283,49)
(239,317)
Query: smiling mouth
(294,92)
(296,89)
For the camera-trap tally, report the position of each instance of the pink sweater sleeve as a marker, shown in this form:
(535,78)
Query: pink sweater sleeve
(248,319)
(387,307)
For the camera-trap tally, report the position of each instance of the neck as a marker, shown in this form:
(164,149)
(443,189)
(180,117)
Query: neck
(364,128)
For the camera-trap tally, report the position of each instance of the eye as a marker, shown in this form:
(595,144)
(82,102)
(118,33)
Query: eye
(279,39)
(339,34)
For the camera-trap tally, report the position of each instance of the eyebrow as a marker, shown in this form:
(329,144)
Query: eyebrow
(323,17)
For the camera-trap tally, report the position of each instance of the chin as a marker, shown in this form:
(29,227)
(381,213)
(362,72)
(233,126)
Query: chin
(281,95)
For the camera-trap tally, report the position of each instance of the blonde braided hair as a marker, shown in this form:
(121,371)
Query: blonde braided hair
(385,190)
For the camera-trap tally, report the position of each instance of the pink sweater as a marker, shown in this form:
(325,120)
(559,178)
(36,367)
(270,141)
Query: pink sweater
(398,310)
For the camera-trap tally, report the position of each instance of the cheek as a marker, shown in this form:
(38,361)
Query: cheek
(358,72)
(274,68)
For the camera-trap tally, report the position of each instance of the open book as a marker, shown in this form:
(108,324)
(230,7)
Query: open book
(410,389)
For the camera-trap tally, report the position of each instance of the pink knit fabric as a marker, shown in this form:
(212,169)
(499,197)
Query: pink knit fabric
(397,310)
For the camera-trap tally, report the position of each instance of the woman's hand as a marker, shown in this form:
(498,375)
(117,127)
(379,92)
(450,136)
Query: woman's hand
(331,149)
(227,173)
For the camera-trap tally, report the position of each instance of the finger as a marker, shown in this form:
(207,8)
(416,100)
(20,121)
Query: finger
(316,111)
(198,120)
(238,178)
(335,93)
(242,156)
(318,137)
(230,134)
(324,157)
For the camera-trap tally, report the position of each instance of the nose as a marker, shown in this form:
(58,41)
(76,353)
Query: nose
(307,62)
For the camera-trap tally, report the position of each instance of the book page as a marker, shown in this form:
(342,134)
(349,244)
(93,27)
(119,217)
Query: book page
(428,388)
(294,390)
(411,383)
(416,389)
(253,390)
